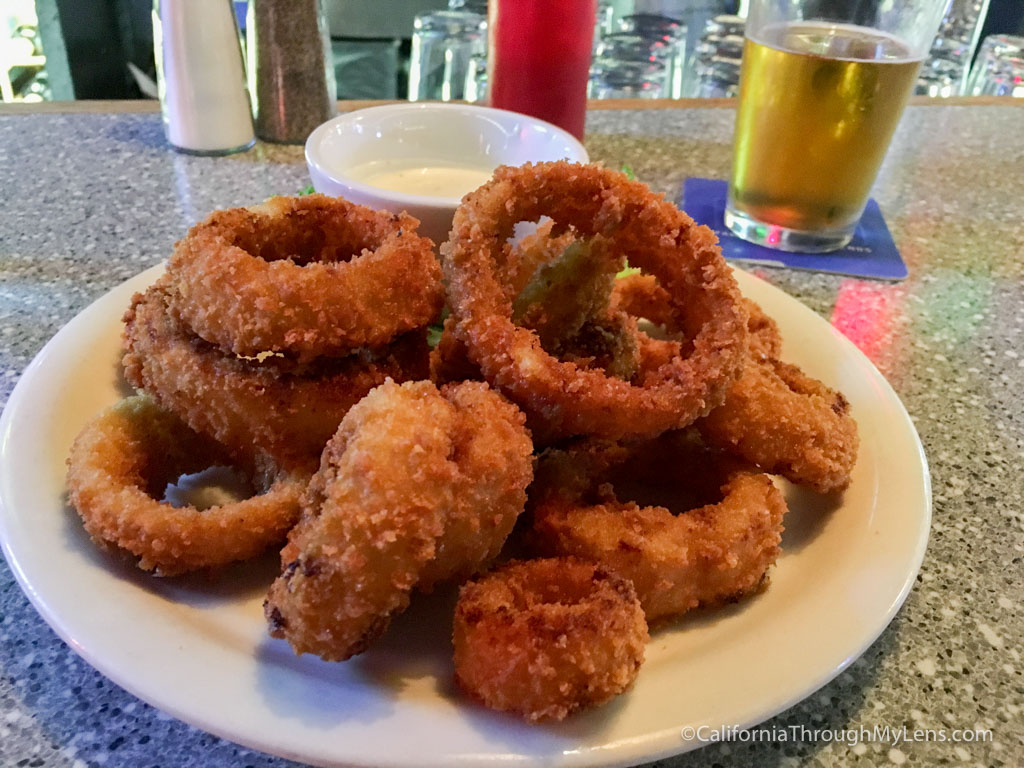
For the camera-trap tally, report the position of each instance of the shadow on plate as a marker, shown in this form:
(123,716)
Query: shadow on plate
(414,653)
(411,662)
(416,647)
(205,590)
(809,513)
(520,737)
(319,694)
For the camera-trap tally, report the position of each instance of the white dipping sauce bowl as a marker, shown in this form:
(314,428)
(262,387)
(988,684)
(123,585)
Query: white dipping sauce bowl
(442,134)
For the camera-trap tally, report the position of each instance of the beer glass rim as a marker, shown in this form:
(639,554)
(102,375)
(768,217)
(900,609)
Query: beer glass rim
(914,23)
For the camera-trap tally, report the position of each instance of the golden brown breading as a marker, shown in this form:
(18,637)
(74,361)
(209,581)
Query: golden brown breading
(657,237)
(307,276)
(774,415)
(787,423)
(271,407)
(416,486)
(545,638)
(687,525)
(119,467)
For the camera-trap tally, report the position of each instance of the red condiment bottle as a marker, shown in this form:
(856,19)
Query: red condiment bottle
(539,58)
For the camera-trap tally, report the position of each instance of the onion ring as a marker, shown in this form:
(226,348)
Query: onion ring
(655,236)
(765,339)
(119,466)
(449,360)
(545,638)
(718,549)
(416,486)
(278,408)
(787,423)
(281,277)
(559,287)
(642,297)
(774,415)
(609,342)
(494,456)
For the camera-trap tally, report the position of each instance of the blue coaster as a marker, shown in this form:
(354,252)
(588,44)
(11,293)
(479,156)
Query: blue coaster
(871,253)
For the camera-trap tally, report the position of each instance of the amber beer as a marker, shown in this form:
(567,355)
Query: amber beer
(818,105)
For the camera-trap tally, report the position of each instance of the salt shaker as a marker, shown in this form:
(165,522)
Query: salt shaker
(291,73)
(200,77)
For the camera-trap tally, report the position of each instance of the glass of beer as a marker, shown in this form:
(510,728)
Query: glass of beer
(822,87)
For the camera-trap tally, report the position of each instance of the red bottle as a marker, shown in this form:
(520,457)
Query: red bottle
(539,58)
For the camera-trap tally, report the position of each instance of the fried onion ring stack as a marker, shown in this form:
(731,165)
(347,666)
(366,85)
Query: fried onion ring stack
(272,321)
(656,399)
(654,393)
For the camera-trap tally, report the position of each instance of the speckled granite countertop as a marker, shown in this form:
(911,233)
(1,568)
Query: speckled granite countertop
(92,199)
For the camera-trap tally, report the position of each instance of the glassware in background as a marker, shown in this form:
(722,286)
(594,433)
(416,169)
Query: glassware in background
(22,76)
(691,14)
(444,44)
(628,66)
(667,39)
(999,68)
(476,78)
(291,71)
(718,57)
(475,89)
(474,6)
(368,68)
(604,22)
(539,59)
(37,89)
(944,72)
(820,96)
(200,77)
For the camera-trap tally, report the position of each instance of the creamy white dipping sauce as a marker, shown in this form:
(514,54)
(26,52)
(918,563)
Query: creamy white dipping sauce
(422,179)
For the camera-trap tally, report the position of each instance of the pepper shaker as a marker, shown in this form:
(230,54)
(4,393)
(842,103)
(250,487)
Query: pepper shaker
(200,77)
(291,73)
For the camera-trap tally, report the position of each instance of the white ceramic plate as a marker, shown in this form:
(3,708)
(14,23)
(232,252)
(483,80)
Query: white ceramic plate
(198,649)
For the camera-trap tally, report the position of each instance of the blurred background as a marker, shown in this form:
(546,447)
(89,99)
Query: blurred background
(425,49)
